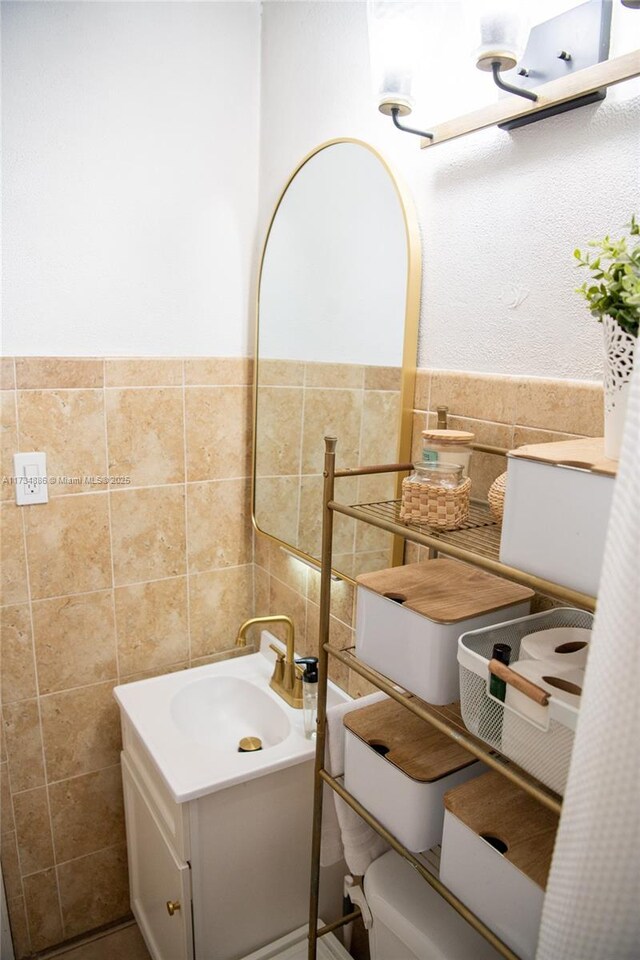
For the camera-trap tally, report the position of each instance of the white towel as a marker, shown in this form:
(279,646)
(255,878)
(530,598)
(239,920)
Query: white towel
(344,833)
(592,906)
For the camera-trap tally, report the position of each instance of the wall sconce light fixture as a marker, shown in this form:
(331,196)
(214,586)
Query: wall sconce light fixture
(558,47)
(394,49)
(500,46)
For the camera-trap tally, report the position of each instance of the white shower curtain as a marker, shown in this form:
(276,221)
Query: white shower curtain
(592,905)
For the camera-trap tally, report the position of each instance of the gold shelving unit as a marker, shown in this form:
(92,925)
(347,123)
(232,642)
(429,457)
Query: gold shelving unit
(478,543)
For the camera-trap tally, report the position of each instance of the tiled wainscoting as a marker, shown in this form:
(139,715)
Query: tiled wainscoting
(300,403)
(501,411)
(106,584)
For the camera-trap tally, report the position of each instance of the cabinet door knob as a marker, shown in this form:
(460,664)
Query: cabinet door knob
(172,906)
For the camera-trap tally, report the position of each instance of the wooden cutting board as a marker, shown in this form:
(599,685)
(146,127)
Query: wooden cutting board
(445,591)
(491,805)
(414,746)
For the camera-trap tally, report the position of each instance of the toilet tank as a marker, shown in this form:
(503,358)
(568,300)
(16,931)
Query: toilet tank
(412,922)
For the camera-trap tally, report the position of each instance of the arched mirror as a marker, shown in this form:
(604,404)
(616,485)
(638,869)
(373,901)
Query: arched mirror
(336,348)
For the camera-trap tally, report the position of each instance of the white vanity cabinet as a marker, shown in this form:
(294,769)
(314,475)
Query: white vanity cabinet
(234,864)
(160,881)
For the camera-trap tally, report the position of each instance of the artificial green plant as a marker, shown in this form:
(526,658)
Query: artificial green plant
(614,286)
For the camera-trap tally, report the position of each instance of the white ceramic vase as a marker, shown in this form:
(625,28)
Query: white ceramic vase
(619,348)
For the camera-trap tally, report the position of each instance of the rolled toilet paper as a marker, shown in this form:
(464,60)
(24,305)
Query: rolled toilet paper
(568,645)
(554,677)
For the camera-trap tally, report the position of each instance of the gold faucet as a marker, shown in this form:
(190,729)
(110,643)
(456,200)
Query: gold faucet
(287,677)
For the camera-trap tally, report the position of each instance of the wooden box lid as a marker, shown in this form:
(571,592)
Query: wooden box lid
(586,454)
(492,806)
(445,591)
(415,747)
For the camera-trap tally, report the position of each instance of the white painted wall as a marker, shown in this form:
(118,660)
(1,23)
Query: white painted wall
(130,176)
(500,212)
(130,148)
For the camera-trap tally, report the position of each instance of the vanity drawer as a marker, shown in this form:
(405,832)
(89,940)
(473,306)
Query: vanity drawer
(172,817)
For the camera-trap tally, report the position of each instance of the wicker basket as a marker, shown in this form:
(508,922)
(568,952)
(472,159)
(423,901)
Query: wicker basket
(443,507)
(496,496)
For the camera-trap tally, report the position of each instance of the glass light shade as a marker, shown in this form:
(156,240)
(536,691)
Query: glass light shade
(394,49)
(503,33)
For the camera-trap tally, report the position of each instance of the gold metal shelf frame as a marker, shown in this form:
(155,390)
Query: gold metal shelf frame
(476,543)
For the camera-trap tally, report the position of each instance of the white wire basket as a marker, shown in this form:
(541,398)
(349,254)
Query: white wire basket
(540,741)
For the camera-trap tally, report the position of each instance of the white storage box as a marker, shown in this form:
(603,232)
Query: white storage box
(556,511)
(539,739)
(496,854)
(409,619)
(399,767)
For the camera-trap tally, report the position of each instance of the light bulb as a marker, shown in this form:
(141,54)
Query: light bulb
(394,49)
(502,32)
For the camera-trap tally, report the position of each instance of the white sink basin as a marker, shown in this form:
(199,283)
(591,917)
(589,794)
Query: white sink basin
(191,723)
(220,711)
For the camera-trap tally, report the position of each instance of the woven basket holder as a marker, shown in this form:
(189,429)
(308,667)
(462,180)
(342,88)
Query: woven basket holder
(496,496)
(443,507)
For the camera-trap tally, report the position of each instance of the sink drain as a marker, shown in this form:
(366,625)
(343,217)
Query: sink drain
(249,745)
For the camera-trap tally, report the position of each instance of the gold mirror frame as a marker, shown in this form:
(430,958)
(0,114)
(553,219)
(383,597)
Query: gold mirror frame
(409,348)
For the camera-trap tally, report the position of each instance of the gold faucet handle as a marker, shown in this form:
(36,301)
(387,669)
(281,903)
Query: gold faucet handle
(278,670)
(297,684)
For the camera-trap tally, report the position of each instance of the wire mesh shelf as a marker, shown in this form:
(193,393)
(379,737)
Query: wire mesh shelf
(477,541)
(480,533)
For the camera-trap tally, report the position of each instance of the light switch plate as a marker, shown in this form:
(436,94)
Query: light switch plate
(30,472)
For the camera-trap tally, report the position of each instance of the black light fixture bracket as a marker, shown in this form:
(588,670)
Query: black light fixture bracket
(499,82)
(395,113)
(560,46)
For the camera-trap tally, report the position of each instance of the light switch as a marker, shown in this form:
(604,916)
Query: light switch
(30,472)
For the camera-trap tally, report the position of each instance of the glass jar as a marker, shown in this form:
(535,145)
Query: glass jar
(452,446)
(441,474)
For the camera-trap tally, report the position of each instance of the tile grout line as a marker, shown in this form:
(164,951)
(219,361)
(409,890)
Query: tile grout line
(354,541)
(37,698)
(303,408)
(109,519)
(42,747)
(84,940)
(110,846)
(120,586)
(186,508)
(75,776)
(128,488)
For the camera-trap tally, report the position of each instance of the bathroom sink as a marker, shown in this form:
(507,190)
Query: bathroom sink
(190,723)
(220,711)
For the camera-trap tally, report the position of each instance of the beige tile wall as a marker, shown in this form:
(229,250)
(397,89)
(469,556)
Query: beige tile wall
(500,411)
(300,403)
(102,585)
